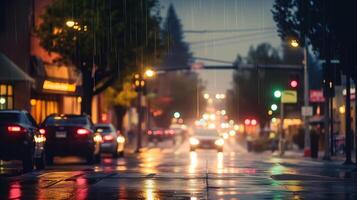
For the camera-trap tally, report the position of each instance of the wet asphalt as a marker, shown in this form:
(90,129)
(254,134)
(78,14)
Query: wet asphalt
(172,172)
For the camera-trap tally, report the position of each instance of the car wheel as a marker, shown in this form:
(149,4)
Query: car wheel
(27,163)
(40,162)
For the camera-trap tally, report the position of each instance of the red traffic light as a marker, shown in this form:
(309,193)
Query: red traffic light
(293,83)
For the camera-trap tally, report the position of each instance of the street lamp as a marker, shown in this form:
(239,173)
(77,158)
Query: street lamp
(294,43)
(149,73)
(70,23)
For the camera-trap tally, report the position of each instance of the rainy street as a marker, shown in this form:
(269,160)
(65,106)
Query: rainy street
(178,99)
(166,173)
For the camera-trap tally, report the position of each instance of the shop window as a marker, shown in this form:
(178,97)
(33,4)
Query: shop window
(6,97)
(40,109)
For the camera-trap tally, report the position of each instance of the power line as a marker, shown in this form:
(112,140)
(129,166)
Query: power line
(228,30)
(235,41)
(228,38)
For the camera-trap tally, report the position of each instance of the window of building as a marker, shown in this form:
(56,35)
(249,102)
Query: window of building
(6,97)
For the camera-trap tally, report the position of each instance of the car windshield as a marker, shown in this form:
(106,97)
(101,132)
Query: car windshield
(204,132)
(103,129)
(9,117)
(66,120)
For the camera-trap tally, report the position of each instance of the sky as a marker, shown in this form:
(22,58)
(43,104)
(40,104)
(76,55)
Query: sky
(251,20)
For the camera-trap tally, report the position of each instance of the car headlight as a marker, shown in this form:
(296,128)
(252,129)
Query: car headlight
(98,138)
(194,141)
(120,139)
(219,142)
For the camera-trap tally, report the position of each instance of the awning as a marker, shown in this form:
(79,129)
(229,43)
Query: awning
(9,71)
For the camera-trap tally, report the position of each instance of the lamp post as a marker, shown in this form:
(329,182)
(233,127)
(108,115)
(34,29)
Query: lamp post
(139,83)
(295,44)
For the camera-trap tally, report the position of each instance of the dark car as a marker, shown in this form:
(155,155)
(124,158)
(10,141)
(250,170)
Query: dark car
(112,141)
(20,139)
(71,135)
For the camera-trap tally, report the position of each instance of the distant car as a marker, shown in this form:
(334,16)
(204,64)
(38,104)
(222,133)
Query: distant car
(112,141)
(20,139)
(206,139)
(156,134)
(71,135)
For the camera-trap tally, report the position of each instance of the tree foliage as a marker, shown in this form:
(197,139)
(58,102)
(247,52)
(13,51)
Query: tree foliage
(252,91)
(177,51)
(110,38)
(182,88)
(326,24)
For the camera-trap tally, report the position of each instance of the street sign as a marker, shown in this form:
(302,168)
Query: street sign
(306,111)
(289,96)
(317,96)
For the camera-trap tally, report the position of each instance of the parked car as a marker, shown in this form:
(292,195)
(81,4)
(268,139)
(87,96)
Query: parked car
(206,139)
(21,139)
(71,135)
(112,141)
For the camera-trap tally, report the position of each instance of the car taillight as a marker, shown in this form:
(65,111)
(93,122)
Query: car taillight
(15,129)
(108,137)
(83,131)
(149,132)
(42,131)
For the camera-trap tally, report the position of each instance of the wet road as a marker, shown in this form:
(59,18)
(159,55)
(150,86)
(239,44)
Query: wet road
(164,173)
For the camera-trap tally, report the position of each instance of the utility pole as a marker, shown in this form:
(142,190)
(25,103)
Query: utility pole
(348,138)
(281,129)
(307,150)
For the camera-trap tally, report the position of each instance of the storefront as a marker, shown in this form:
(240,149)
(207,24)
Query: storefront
(13,84)
(56,91)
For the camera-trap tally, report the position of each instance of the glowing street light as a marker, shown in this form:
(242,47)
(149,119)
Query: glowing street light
(294,43)
(206,96)
(274,107)
(149,73)
(70,23)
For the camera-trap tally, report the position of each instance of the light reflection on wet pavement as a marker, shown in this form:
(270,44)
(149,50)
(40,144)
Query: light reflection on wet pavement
(178,174)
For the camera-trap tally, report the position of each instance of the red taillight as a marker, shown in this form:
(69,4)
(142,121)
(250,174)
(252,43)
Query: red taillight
(108,137)
(15,129)
(83,131)
(42,131)
(149,132)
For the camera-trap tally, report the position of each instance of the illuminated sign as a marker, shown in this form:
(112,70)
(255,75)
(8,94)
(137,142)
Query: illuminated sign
(57,86)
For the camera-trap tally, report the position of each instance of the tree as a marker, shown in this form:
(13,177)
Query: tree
(182,88)
(252,92)
(104,39)
(264,53)
(177,54)
(325,24)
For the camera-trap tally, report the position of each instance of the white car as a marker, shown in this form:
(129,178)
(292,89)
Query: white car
(206,139)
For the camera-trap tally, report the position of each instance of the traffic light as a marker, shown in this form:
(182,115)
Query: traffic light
(277,93)
(274,107)
(294,81)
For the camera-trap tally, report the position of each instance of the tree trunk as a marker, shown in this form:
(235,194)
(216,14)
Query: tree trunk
(120,113)
(87,93)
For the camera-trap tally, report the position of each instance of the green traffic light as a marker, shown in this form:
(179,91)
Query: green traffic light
(277,93)
(274,107)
